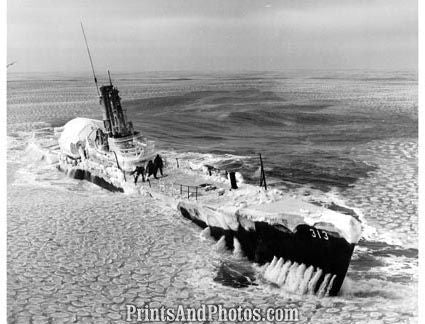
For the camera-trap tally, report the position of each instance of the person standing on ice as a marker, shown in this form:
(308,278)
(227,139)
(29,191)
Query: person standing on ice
(150,169)
(140,170)
(159,164)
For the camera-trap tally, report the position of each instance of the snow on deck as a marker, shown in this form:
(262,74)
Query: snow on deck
(212,194)
(215,196)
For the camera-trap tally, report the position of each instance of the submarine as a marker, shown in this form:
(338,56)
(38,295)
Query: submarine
(294,239)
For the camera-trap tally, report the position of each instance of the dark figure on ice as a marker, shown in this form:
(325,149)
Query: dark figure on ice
(140,170)
(158,165)
(150,169)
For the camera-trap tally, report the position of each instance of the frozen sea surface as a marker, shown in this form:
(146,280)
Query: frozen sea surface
(77,253)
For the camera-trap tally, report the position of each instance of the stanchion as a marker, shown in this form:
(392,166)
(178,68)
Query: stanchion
(232,177)
(263,175)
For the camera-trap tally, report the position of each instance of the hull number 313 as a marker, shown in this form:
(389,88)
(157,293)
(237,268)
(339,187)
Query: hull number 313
(315,233)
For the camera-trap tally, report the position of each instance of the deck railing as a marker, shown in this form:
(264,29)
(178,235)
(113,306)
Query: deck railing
(187,189)
(135,149)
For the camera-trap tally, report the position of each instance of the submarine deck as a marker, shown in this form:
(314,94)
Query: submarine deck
(251,202)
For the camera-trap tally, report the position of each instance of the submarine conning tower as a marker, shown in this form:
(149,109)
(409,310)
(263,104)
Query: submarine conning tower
(114,116)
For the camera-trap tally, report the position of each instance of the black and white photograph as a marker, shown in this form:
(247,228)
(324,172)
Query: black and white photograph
(216,161)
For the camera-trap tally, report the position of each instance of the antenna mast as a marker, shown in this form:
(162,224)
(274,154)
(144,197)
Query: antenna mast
(110,81)
(91,62)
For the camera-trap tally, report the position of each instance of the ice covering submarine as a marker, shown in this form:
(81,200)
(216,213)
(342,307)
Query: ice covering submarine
(304,241)
(305,245)
(104,149)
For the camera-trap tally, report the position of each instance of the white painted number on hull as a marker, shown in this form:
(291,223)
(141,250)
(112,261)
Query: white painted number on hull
(319,234)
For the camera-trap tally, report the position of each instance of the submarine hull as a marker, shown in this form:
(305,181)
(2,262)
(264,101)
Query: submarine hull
(264,242)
